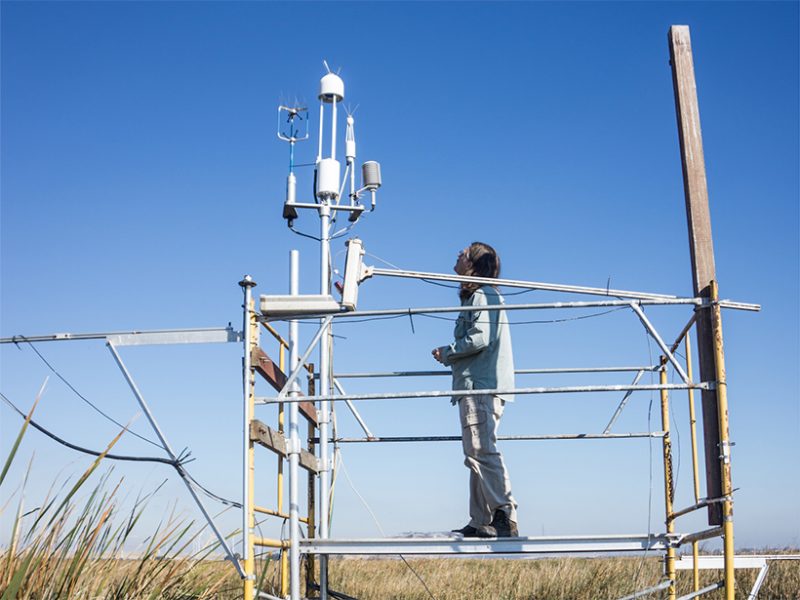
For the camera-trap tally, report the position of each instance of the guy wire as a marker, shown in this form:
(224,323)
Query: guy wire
(383,533)
(81,396)
(179,465)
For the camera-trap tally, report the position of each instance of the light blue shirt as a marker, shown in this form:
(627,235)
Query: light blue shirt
(481,356)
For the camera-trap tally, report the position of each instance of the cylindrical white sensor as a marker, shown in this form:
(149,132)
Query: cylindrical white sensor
(331,87)
(328,170)
(350,140)
(291,188)
(371,175)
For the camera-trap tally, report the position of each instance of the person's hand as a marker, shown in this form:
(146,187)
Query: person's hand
(437,354)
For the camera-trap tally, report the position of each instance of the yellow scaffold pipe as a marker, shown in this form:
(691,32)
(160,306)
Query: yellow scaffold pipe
(724,442)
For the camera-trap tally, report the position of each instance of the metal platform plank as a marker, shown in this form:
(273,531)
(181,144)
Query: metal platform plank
(460,545)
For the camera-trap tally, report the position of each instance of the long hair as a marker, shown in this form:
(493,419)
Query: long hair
(482,261)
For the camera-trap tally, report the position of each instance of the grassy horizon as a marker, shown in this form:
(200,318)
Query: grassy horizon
(73,546)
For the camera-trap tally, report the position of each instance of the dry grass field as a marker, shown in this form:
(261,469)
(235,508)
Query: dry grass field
(69,546)
(389,579)
(546,579)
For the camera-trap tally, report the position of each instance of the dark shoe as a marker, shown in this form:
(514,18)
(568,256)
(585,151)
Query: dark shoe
(484,531)
(503,526)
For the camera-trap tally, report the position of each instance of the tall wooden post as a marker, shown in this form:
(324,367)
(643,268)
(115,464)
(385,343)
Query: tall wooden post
(700,245)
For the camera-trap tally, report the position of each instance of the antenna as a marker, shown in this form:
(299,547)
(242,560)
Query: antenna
(290,129)
(329,183)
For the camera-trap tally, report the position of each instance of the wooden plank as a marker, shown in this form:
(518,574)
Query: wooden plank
(267,368)
(700,244)
(273,440)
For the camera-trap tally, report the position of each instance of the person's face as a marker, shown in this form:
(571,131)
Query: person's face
(462,264)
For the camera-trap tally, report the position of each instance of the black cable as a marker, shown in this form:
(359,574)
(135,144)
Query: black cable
(63,442)
(600,314)
(421,580)
(364,320)
(440,284)
(177,464)
(306,235)
(81,396)
(435,316)
(209,493)
(455,287)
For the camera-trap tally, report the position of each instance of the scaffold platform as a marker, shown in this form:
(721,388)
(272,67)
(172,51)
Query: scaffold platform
(456,544)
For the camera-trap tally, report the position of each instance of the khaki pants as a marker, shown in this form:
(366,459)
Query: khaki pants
(489,485)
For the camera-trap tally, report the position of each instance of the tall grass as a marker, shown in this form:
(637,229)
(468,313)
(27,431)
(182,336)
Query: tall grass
(74,544)
(73,547)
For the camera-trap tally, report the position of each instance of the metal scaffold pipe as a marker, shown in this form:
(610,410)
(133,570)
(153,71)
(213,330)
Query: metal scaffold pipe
(497,392)
(248,391)
(538,285)
(294,439)
(324,385)
(697,302)
(502,438)
(448,373)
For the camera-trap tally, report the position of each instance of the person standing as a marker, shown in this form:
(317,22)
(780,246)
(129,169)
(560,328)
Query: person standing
(481,359)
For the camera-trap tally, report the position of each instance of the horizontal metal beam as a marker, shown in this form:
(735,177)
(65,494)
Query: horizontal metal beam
(386,312)
(686,562)
(441,372)
(498,392)
(538,285)
(460,545)
(346,207)
(502,438)
(274,513)
(518,283)
(208,335)
(698,302)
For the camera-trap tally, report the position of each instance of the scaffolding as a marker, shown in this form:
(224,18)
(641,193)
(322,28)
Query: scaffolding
(668,541)
(706,318)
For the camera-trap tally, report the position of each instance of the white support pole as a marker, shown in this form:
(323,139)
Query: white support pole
(321,121)
(294,441)
(324,390)
(333,128)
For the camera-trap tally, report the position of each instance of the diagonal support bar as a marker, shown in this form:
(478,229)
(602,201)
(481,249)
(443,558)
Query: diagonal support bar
(654,334)
(299,366)
(146,409)
(353,410)
(622,403)
(651,590)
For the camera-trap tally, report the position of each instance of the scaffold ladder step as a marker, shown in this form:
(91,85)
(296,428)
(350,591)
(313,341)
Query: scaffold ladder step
(266,436)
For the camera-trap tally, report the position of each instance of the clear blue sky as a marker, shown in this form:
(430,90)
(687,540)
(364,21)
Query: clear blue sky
(141,178)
